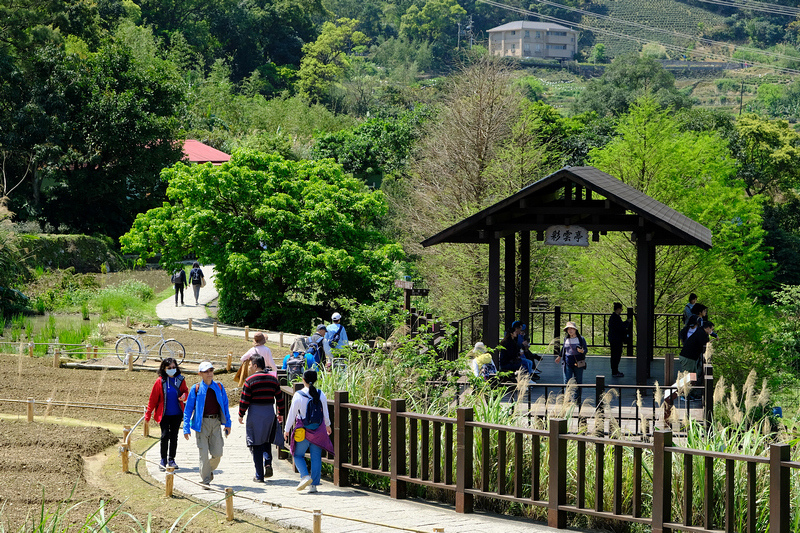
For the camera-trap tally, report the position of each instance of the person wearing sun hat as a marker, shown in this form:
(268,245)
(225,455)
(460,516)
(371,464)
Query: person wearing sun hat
(573,356)
(206,413)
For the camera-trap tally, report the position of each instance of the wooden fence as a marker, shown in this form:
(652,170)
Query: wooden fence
(650,483)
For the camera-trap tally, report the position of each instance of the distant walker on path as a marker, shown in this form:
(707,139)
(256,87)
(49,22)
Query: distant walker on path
(198,280)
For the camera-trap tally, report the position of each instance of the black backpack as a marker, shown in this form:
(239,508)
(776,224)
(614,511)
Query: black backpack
(314,416)
(335,338)
(295,366)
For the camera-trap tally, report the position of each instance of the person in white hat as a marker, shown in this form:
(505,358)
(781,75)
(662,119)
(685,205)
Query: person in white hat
(573,356)
(206,413)
(335,336)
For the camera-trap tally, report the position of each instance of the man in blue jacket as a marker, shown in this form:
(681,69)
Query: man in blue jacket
(206,413)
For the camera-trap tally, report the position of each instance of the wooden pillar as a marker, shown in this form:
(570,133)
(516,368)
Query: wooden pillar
(247,333)
(464,444)
(215,328)
(229,363)
(229,504)
(169,481)
(525,278)
(316,525)
(397,488)
(190,323)
(280,339)
(780,495)
(558,474)
(645,281)
(341,438)
(30,349)
(662,481)
(510,257)
(493,326)
(56,358)
(124,450)
(130,357)
(145,426)
(31,403)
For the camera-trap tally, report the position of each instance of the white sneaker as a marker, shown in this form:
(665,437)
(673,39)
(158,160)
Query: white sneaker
(312,488)
(305,481)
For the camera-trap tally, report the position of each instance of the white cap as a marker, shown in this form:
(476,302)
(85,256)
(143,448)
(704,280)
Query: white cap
(336,316)
(205,366)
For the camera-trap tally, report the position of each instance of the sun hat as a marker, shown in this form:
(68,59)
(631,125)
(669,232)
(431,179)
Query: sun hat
(570,324)
(336,316)
(205,366)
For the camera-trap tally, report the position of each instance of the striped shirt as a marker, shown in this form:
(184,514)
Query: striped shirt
(260,388)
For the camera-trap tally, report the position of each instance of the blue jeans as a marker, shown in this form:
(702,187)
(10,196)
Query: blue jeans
(316,460)
(527,363)
(577,373)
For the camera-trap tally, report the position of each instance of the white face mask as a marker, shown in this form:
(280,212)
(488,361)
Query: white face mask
(172,371)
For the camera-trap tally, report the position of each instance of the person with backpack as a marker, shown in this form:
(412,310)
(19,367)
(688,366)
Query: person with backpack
(318,338)
(206,413)
(296,363)
(309,425)
(179,280)
(198,280)
(335,334)
(260,393)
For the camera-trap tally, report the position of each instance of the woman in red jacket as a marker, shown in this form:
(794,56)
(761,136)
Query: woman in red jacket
(166,407)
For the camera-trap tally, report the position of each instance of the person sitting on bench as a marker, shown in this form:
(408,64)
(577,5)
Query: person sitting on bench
(511,355)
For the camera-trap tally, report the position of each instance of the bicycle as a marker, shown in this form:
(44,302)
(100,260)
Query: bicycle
(134,345)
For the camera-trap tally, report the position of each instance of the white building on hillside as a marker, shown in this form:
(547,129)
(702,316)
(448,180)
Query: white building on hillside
(533,39)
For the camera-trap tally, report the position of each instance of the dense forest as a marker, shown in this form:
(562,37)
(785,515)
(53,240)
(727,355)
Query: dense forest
(359,128)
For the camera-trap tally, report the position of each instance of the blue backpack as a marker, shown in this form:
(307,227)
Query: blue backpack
(314,416)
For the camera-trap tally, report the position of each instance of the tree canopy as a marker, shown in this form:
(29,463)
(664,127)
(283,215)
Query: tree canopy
(287,238)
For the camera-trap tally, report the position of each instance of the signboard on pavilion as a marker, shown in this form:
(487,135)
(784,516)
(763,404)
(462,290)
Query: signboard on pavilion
(566,236)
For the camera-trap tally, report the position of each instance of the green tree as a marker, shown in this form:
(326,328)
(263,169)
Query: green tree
(769,154)
(287,238)
(625,80)
(326,59)
(693,173)
(435,21)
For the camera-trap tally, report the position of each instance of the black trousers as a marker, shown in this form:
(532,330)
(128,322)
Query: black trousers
(178,289)
(262,455)
(170,424)
(616,355)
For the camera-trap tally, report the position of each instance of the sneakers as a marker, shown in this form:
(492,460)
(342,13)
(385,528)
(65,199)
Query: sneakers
(618,374)
(305,481)
(171,463)
(268,470)
(163,466)
(312,488)
(257,479)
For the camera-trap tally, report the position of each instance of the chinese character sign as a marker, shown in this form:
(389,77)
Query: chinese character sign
(566,236)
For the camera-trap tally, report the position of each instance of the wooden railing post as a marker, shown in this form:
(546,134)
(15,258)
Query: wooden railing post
(599,391)
(229,504)
(145,426)
(31,403)
(779,488)
(56,358)
(189,321)
(398,424)
(341,438)
(485,317)
(464,459)
(215,328)
(169,481)
(558,474)
(316,521)
(662,481)
(229,362)
(247,333)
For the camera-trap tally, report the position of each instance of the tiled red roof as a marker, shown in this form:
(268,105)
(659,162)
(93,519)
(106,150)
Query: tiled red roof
(197,152)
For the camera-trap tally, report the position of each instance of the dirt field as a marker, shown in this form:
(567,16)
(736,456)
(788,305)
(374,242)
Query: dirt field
(47,457)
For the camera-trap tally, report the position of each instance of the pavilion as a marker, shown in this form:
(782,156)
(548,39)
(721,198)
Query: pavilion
(574,206)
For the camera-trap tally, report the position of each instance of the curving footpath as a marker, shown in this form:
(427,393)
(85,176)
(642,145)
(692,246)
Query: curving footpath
(277,500)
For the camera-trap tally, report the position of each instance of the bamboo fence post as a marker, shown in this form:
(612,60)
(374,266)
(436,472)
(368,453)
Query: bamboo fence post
(317,523)
(229,504)
(281,339)
(230,362)
(57,358)
(215,328)
(31,403)
(124,450)
(146,425)
(247,333)
(169,481)
(190,323)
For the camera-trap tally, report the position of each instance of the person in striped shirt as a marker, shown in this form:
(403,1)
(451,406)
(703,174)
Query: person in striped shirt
(260,393)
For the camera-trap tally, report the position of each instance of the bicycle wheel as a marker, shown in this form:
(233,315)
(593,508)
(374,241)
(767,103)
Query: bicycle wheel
(128,346)
(174,349)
